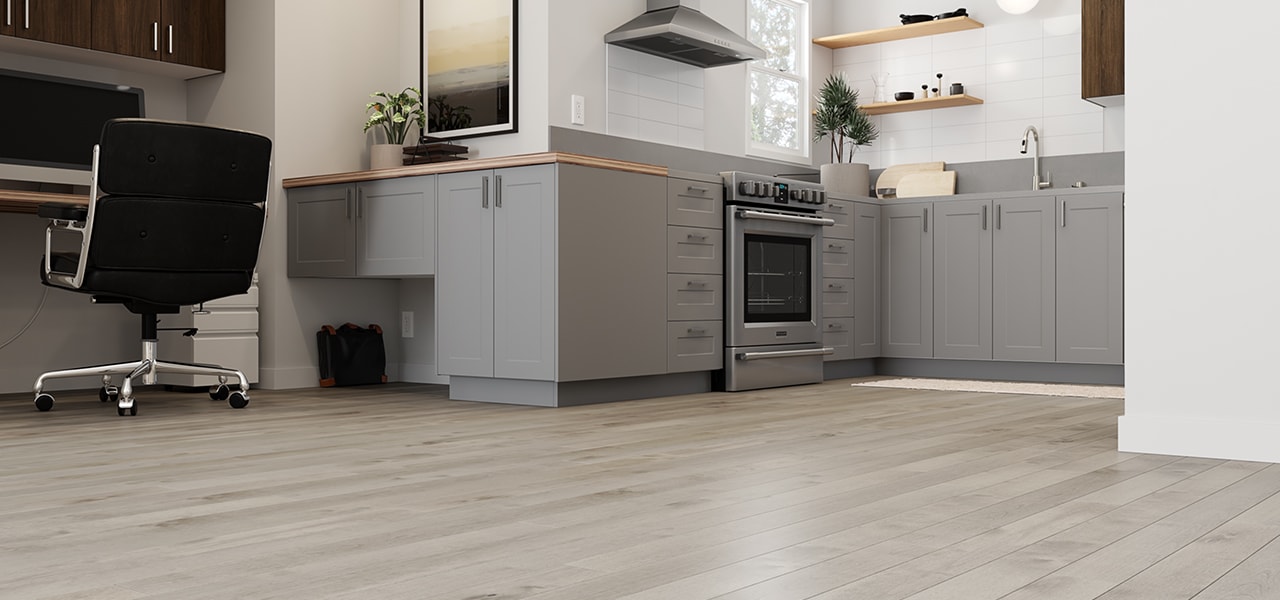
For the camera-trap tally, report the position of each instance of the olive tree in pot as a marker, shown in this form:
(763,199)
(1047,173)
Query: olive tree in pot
(839,117)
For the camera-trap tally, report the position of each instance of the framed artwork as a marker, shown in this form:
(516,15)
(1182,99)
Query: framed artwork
(469,67)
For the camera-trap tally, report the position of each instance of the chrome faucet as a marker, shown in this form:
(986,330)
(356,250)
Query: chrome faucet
(1033,135)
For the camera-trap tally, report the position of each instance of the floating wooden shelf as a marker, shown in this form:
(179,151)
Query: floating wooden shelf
(900,32)
(884,108)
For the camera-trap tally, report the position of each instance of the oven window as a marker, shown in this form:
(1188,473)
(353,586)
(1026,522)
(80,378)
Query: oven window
(778,279)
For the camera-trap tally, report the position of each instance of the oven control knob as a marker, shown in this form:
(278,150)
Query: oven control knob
(797,195)
(819,197)
(808,196)
(745,188)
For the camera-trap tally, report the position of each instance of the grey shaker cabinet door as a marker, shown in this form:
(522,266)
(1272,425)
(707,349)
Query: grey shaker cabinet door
(395,227)
(1090,277)
(866,280)
(907,282)
(1024,280)
(464,274)
(962,280)
(524,272)
(322,235)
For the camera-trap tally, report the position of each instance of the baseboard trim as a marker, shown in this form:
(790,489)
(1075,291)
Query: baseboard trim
(1204,438)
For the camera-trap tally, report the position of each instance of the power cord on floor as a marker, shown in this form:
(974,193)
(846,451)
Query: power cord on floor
(39,307)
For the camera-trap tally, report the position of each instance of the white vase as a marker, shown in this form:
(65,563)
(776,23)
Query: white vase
(846,179)
(386,156)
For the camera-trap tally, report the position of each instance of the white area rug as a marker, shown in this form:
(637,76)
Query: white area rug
(998,387)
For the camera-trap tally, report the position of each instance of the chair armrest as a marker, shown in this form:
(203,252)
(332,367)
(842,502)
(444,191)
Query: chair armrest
(62,211)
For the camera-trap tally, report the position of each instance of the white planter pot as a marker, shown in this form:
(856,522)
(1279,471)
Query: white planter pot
(846,179)
(386,156)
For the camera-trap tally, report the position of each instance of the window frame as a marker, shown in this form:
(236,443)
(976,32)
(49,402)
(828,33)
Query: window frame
(801,77)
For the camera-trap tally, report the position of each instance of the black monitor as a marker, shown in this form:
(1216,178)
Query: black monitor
(48,121)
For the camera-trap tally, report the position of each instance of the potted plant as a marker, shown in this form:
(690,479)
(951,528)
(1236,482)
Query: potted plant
(839,117)
(394,113)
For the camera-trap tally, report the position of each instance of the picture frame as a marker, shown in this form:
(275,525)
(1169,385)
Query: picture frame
(469,67)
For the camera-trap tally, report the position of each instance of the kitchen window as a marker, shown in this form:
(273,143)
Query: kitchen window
(777,87)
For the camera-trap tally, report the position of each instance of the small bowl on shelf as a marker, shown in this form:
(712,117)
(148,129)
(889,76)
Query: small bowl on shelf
(900,96)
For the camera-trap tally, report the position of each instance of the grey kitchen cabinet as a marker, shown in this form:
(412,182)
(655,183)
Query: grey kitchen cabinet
(540,278)
(839,283)
(962,280)
(906,289)
(866,278)
(1024,279)
(382,228)
(495,281)
(695,275)
(1090,278)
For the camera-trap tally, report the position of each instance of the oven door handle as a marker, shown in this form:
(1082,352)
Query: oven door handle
(755,214)
(785,353)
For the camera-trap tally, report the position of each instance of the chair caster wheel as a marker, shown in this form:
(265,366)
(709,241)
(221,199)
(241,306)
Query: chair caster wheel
(238,400)
(220,392)
(44,402)
(108,393)
(128,412)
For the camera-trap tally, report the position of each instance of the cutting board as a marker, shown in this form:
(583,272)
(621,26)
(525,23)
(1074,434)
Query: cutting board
(889,178)
(929,183)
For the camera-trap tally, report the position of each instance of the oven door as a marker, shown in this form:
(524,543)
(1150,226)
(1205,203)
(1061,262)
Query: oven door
(773,271)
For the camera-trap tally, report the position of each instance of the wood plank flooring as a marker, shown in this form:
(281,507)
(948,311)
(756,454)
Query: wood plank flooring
(817,492)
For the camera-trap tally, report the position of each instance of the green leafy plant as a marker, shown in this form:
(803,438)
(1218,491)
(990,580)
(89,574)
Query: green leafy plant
(395,113)
(839,117)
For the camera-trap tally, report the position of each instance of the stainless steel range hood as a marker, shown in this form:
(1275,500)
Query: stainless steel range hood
(677,30)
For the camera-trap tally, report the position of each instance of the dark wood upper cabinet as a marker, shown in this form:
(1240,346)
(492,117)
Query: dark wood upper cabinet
(1102,51)
(127,27)
(186,32)
(195,33)
(8,17)
(64,22)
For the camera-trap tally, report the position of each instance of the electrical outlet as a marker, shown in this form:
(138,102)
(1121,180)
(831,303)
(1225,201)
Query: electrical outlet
(578,106)
(406,323)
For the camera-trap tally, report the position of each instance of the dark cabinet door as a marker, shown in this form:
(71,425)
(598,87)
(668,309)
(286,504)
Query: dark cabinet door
(127,27)
(63,22)
(9,17)
(1102,48)
(194,32)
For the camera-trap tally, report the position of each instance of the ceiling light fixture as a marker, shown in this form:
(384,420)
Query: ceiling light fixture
(1016,7)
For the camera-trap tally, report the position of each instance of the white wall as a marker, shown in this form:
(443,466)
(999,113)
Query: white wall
(1026,68)
(1200,290)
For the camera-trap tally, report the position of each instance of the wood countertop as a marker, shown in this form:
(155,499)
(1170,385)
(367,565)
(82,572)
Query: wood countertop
(16,201)
(520,160)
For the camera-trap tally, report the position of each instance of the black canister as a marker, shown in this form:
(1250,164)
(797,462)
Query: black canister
(957,89)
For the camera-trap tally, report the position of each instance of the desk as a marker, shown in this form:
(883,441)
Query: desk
(14,201)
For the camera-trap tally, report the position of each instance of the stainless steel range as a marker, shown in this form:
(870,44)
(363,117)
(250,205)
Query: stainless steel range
(773,269)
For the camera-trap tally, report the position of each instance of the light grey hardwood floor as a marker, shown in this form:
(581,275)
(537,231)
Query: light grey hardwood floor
(824,492)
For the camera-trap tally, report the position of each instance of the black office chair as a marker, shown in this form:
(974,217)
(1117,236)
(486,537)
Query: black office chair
(175,218)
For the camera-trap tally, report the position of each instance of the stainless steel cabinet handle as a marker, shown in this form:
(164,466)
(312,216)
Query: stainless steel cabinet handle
(785,353)
(1064,214)
(999,215)
(346,205)
(484,192)
(700,190)
(926,220)
(171,39)
(701,284)
(697,331)
(984,217)
(8,12)
(497,191)
(26,14)
(155,37)
(697,237)
(359,204)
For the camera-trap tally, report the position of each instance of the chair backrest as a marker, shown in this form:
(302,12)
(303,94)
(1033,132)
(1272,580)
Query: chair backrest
(179,212)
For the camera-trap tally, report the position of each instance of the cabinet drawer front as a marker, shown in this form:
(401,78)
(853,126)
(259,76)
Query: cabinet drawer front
(840,211)
(837,258)
(837,297)
(695,346)
(695,250)
(838,333)
(694,297)
(695,203)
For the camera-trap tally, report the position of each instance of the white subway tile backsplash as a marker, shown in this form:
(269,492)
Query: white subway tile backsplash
(1062,85)
(658,89)
(1015,51)
(905,121)
(1009,133)
(623,126)
(657,110)
(690,75)
(662,133)
(1004,150)
(958,59)
(972,38)
(623,80)
(959,134)
(1012,91)
(905,139)
(1065,64)
(687,117)
(1073,125)
(921,46)
(1056,26)
(961,115)
(1062,44)
(1025,70)
(1023,30)
(1060,145)
(627,105)
(867,53)
(906,155)
(691,138)
(1070,104)
(688,95)
(959,153)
